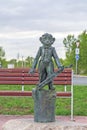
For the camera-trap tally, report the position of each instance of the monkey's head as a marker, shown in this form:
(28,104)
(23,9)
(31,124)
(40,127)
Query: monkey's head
(47,39)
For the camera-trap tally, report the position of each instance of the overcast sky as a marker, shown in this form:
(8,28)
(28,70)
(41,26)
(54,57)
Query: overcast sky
(22,22)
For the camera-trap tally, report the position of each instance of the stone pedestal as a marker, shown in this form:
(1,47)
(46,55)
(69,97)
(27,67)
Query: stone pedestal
(29,124)
(44,105)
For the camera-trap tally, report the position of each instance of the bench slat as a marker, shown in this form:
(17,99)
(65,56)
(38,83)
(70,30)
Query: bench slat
(32,79)
(15,93)
(18,82)
(29,93)
(33,82)
(28,75)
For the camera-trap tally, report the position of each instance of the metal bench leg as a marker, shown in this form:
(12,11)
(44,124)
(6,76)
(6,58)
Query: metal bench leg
(22,88)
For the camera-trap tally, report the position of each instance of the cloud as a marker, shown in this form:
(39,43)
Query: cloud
(22,22)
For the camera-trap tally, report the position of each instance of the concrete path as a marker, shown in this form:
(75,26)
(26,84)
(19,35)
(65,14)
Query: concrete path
(5,118)
(79,80)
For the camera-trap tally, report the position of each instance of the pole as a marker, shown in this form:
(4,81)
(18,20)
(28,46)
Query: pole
(77,55)
(77,58)
(17,59)
(22,61)
(76,66)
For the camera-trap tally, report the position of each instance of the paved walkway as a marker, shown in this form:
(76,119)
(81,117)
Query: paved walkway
(5,118)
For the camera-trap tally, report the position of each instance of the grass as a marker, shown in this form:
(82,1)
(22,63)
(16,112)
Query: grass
(25,105)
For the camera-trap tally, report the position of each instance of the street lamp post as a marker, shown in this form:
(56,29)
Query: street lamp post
(17,59)
(77,55)
(22,61)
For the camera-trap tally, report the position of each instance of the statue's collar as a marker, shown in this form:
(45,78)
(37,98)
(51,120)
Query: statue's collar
(45,47)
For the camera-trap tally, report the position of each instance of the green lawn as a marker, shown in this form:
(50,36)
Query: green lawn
(25,105)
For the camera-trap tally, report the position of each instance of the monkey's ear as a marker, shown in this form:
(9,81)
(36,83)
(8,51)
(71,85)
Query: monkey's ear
(54,39)
(40,38)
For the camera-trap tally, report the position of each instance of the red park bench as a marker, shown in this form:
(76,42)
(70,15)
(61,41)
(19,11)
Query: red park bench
(20,76)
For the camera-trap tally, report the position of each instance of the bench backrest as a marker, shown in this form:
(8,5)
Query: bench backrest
(20,76)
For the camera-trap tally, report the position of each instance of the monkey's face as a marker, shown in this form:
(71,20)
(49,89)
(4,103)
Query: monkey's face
(47,40)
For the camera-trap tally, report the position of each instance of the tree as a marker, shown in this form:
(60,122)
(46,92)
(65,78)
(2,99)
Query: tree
(2,53)
(70,45)
(83,52)
(29,61)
